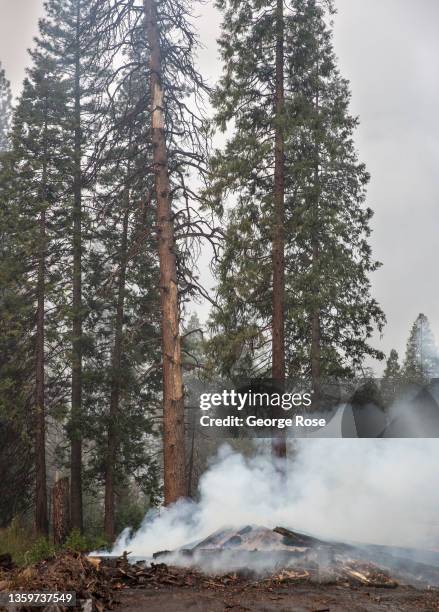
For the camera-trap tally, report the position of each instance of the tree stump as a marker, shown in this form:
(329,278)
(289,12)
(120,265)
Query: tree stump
(61,510)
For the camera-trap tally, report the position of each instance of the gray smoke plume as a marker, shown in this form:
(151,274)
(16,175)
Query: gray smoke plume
(361,490)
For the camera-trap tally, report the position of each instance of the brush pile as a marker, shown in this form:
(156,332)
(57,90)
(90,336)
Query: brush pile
(66,572)
(97,581)
(252,560)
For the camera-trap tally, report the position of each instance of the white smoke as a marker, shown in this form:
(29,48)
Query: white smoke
(360,490)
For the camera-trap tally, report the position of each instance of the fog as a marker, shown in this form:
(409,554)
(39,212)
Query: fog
(388,49)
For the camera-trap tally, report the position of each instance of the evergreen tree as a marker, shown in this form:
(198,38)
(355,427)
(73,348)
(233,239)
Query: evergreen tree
(81,233)
(33,183)
(330,256)
(391,378)
(38,142)
(123,377)
(330,315)
(173,403)
(177,161)
(421,361)
(68,38)
(9,265)
(393,369)
(16,359)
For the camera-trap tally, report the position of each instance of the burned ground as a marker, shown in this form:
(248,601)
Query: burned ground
(287,598)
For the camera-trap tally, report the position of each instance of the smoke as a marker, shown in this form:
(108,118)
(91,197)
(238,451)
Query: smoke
(369,491)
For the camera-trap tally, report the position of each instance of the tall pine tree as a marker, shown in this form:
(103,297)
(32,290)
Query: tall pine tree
(35,184)
(329,314)
(38,144)
(421,361)
(67,37)
(16,326)
(125,377)
(177,161)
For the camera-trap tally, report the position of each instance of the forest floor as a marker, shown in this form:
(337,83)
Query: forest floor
(291,598)
(117,584)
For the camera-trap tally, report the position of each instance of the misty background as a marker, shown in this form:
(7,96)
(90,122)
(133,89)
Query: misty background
(388,49)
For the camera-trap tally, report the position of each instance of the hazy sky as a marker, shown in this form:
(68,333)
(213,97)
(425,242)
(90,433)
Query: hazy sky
(389,50)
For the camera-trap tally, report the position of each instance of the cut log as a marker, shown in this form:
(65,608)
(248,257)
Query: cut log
(61,510)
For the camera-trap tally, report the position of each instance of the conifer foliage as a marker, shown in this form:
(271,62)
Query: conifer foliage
(329,313)
(392,378)
(16,431)
(421,361)
(109,192)
(5,110)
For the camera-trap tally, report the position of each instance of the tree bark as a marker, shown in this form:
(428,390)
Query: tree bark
(191,455)
(76,409)
(61,510)
(41,520)
(315,317)
(278,246)
(112,444)
(315,340)
(173,406)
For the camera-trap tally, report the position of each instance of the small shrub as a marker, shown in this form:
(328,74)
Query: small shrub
(15,540)
(76,541)
(41,549)
(79,542)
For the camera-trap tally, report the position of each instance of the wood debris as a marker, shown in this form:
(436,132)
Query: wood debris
(97,581)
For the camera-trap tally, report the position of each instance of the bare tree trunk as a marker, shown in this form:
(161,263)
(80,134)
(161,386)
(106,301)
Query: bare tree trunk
(173,406)
(41,520)
(278,247)
(76,414)
(61,510)
(116,362)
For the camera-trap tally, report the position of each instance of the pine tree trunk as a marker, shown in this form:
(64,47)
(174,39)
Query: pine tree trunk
(173,407)
(191,455)
(116,363)
(76,415)
(315,317)
(41,520)
(315,340)
(61,510)
(278,246)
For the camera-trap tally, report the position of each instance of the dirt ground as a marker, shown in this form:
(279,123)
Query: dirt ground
(291,598)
